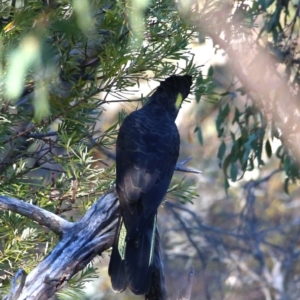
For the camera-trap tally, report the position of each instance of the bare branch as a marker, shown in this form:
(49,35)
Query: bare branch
(87,238)
(41,216)
(80,243)
(186,293)
(179,165)
(181,168)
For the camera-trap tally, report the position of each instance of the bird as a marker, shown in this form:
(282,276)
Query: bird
(147,150)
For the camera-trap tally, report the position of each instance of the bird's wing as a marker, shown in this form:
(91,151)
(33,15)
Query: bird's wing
(145,164)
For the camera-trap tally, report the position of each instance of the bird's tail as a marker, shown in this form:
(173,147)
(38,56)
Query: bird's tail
(133,266)
(139,259)
(116,269)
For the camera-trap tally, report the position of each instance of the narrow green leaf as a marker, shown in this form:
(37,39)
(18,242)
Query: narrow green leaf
(233,172)
(198,88)
(222,150)
(226,93)
(226,164)
(268,148)
(226,185)
(232,134)
(280,152)
(287,163)
(294,171)
(220,127)
(286,185)
(236,116)
(41,103)
(199,135)
(235,150)
(210,71)
(250,166)
(226,111)
(199,79)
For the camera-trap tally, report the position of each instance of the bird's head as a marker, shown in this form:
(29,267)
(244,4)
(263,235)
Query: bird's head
(172,92)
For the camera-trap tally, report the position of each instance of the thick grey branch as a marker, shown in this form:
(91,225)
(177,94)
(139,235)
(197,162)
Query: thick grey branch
(79,244)
(41,216)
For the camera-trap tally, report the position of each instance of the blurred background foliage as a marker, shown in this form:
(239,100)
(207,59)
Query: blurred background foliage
(72,70)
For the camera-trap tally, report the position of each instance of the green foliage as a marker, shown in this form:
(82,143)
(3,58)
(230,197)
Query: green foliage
(247,133)
(249,142)
(205,88)
(76,284)
(60,64)
(183,190)
(246,138)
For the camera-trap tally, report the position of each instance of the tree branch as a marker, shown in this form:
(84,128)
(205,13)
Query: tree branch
(185,294)
(259,80)
(80,242)
(41,216)
(181,168)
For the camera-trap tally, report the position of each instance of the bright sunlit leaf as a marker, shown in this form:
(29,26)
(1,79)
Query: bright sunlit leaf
(21,60)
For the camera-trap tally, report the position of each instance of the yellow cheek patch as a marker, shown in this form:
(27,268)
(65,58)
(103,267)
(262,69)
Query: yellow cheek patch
(178,101)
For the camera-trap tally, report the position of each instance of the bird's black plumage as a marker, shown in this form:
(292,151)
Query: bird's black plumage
(147,151)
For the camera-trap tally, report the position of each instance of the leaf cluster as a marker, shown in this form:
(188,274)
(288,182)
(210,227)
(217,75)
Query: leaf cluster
(56,76)
(248,132)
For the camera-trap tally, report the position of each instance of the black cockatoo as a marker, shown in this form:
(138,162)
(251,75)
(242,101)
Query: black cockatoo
(147,151)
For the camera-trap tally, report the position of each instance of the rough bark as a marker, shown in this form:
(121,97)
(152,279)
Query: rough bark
(79,243)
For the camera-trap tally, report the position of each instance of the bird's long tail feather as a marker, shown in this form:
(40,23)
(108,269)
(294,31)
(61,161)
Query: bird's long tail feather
(116,268)
(132,260)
